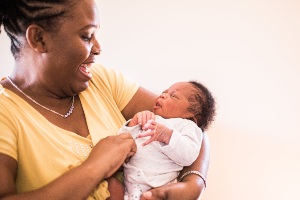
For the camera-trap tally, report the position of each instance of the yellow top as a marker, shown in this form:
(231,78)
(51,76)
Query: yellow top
(44,151)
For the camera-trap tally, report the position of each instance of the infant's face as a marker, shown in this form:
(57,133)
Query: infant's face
(173,102)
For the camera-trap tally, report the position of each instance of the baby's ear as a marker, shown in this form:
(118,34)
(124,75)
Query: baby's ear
(35,38)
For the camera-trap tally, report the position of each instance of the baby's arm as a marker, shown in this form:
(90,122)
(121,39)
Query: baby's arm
(184,146)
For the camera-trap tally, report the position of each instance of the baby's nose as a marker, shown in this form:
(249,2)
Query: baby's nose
(163,95)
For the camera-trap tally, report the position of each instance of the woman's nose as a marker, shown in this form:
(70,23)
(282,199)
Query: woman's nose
(96,48)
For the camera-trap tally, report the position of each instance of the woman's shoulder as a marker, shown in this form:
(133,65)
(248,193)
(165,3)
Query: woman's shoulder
(102,71)
(113,79)
(104,75)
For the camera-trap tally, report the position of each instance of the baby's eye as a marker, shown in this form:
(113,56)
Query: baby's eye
(173,96)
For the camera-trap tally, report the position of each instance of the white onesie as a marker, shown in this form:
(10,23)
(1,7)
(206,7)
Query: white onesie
(157,164)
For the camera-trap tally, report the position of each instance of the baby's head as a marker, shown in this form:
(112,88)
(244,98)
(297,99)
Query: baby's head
(189,100)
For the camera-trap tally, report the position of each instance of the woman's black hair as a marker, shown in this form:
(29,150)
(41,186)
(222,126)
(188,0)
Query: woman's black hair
(17,15)
(202,104)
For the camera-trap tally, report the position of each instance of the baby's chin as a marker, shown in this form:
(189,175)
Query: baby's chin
(157,110)
(160,113)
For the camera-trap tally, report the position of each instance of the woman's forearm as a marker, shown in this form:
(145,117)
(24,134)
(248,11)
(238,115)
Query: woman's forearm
(77,183)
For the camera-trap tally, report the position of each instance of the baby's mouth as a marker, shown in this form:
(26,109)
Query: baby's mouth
(157,104)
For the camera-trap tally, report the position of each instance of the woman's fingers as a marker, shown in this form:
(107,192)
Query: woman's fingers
(155,194)
(110,153)
(128,143)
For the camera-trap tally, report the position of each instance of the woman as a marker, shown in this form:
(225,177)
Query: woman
(58,124)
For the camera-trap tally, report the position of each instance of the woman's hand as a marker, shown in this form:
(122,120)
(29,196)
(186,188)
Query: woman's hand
(111,152)
(155,194)
(190,189)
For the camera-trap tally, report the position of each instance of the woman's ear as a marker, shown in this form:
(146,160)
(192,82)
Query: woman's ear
(35,38)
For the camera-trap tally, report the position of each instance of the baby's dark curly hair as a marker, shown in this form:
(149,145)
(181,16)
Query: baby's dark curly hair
(203,105)
(17,15)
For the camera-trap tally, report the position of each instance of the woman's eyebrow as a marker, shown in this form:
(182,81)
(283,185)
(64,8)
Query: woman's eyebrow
(90,26)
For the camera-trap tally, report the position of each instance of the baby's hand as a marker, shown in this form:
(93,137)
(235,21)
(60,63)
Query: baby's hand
(157,131)
(141,118)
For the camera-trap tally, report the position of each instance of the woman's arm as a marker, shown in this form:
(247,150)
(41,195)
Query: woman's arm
(142,100)
(80,181)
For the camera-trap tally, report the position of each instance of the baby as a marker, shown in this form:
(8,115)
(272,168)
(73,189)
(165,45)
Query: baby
(168,138)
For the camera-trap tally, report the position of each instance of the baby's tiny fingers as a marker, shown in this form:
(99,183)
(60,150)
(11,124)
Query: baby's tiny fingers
(145,134)
(149,126)
(149,141)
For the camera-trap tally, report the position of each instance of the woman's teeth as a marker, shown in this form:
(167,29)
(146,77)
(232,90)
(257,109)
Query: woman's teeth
(86,67)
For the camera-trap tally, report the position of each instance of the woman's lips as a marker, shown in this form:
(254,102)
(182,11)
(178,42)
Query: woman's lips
(85,70)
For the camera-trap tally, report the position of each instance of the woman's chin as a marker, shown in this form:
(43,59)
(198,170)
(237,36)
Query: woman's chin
(81,87)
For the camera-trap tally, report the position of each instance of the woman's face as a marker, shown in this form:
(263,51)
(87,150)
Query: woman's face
(174,102)
(71,49)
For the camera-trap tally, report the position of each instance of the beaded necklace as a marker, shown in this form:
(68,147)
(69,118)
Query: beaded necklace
(64,116)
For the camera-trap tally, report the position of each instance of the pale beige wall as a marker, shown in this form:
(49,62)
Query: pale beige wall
(247,52)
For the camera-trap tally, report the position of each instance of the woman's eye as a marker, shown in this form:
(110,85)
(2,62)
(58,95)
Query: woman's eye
(86,38)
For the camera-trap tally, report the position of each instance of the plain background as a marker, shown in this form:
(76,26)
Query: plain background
(247,52)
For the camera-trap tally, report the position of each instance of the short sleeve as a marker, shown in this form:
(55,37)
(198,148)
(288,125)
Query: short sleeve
(121,88)
(8,138)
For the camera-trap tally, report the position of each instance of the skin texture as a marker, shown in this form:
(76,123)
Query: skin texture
(50,70)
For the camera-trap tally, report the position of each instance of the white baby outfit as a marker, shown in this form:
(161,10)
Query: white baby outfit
(157,164)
